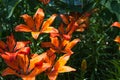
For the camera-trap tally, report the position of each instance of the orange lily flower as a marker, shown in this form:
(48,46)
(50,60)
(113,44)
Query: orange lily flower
(116,24)
(45,1)
(66,32)
(60,67)
(33,25)
(11,45)
(117,39)
(60,46)
(82,19)
(25,67)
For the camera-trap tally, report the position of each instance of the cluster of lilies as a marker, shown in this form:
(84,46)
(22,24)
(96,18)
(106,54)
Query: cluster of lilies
(17,54)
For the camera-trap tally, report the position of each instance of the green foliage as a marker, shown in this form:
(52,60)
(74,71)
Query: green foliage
(96,46)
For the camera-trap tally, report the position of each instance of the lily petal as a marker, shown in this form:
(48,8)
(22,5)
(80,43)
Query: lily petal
(116,24)
(64,18)
(74,27)
(35,35)
(50,30)
(62,61)
(48,22)
(28,78)
(117,39)
(29,21)
(38,17)
(23,62)
(66,69)
(11,42)
(55,42)
(71,44)
(22,28)
(38,70)
(45,1)
(52,75)
(8,71)
(10,60)
(20,45)
(61,28)
(24,50)
(1,51)
(36,59)
(2,45)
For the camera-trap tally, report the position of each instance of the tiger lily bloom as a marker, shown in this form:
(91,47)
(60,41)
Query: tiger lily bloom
(36,25)
(11,45)
(60,67)
(66,32)
(116,24)
(25,67)
(60,46)
(81,19)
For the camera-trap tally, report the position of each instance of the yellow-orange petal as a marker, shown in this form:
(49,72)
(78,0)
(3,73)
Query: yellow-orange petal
(117,39)
(62,61)
(9,71)
(116,24)
(38,70)
(36,59)
(22,28)
(28,78)
(38,18)
(48,22)
(65,42)
(49,30)
(71,44)
(66,69)
(35,35)
(29,21)
(20,45)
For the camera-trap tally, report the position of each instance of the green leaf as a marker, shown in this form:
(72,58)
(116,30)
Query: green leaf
(12,8)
